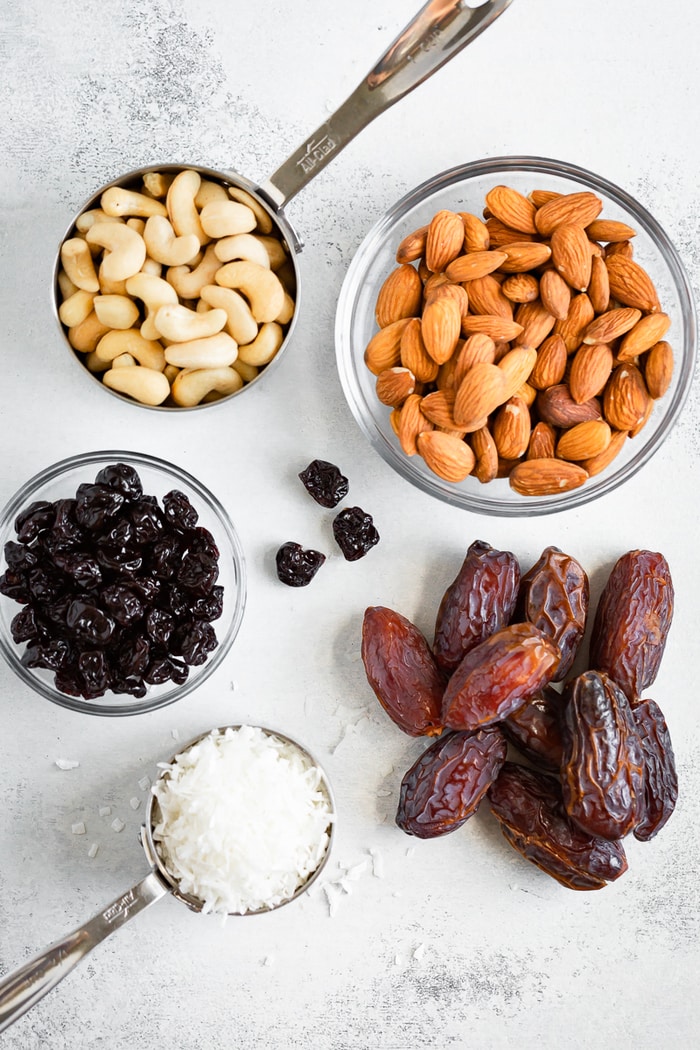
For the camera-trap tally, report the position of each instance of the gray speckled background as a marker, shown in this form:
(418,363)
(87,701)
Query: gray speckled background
(459,943)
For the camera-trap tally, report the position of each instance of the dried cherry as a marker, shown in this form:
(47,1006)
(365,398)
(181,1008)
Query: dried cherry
(445,786)
(478,602)
(325,483)
(297,567)
(354,532)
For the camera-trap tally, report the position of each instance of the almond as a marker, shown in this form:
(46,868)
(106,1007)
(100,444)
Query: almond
(590,370)
(599,285)
(527,393)
(412,247)
(447,456)
(511,429)
(500,234)
(481,391)
(432,282)
(571,255)
(446,372)
(624,248)
(400,296)
(555,405)
(521,288)
(512,208)
(550,366)
(580,208)
(611,325)
(540,197)
(546,477)
(384,348)
(500,329)
(625,398)
(609,230)
(475,264)
(411,423)
(644,420)
(394,385)
(658,369)
(486,297)
(476,348)
(542,441)
(596,464)
(440,327)
(476,233)
(444,240)
(555,294)
(524,255)
(630,284)
(584,440)
(438,407)
(537,323)
(645,334)
(414,355)
(451,291)
(579,317)
(486,455)
(516,367)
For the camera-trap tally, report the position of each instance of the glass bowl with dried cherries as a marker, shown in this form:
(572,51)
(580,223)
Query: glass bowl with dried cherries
(122,583)
(516,336)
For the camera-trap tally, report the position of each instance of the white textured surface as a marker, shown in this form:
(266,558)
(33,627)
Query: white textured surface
(460,943)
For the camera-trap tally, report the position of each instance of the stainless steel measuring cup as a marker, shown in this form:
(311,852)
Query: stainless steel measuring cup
(438,32)
(21,990)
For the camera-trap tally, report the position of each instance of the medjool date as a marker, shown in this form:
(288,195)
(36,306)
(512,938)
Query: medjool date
(660,778)
(478,602)
(554,595)
(535,730)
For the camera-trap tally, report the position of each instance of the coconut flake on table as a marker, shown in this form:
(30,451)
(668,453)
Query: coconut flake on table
(78,828)
(243,820)
(67,763)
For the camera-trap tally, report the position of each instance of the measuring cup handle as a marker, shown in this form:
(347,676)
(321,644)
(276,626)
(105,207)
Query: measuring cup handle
(26,986)
(438,32)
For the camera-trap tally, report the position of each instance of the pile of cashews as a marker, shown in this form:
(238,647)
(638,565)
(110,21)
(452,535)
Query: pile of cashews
(177,292)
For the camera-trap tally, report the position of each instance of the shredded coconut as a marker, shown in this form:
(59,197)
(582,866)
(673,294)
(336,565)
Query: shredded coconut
(104,811)
(377,863)
(243,820)
(118,825)
(79,828)
(134,802)
(145,783)
(92,852)
(67,763)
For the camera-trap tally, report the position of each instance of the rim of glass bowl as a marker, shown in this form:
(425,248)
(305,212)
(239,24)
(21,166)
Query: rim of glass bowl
(349,358)
(156,697)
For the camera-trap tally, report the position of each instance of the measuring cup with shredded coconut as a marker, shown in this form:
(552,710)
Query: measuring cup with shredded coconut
(241,820)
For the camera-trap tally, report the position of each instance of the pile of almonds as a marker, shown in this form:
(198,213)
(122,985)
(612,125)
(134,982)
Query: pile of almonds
(528,344)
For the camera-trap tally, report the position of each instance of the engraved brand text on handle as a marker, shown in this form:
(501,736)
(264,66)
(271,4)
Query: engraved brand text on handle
(315,151)
(120,907)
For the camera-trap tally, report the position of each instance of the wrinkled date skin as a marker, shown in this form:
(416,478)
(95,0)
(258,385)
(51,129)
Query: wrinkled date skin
(554,595)
(402,671)
(445,786)
(529,807)
(498,676)
(660,779)
(632,621)
(478,602)
(602,768)
(534,729)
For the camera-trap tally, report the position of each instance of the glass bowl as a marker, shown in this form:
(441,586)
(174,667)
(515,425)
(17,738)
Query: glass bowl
(464,189)
(158,477)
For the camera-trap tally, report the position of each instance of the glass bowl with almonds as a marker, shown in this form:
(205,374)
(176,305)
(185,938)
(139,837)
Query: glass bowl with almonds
(516,336)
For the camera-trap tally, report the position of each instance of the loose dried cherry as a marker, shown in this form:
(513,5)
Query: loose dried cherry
(324,482)
(354,532)
(297,567)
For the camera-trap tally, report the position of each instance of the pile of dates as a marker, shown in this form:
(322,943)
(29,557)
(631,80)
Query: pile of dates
(118,592)
(600,763)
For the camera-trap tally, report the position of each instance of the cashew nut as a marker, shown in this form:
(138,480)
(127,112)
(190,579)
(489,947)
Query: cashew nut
(191,385)
(143,384)
(246,372)
(127,250)
(265,345)
(154,292)
(224,218)
(109,287)
(180,325)
(86,335)
(209,191)
(182,211)
(116,311)
(65,285)
(163,246)
(123,361)
(263,220)
(216,351)
(137,224)
(75,308)
(261,287)
(241,325)
(287,312)
(118,201)
(78,265)
(89,218)
(147,352)
(152,267)
(189,283)
(170,371)
(276,252)
(242,246)
(157,183)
